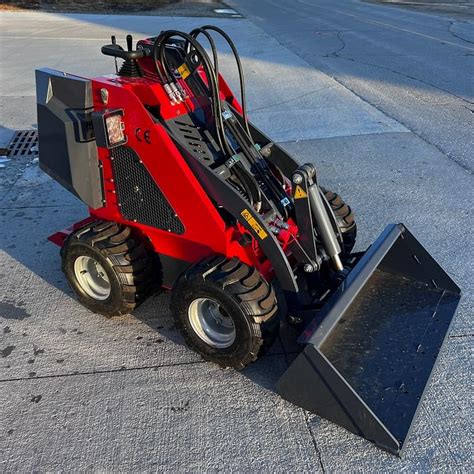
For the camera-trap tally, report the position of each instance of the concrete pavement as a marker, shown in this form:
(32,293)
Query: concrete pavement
(80,392)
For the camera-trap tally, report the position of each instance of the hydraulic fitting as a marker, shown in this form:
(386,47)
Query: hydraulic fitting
(169,91)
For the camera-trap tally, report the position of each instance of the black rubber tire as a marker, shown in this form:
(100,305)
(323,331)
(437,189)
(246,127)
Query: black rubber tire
(243,294)
(345,219)
(128,265)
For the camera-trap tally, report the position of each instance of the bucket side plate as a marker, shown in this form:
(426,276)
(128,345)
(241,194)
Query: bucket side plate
(366,366)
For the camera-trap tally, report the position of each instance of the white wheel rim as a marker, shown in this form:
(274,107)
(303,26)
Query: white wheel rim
(211,323)
(92,278)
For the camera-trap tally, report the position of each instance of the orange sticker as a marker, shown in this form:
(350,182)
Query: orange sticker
(259,230)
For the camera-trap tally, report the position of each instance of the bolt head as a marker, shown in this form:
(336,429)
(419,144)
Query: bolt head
(308,268)
(297,179)
(294,319)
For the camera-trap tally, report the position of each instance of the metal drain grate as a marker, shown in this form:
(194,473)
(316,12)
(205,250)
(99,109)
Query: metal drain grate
(22,143)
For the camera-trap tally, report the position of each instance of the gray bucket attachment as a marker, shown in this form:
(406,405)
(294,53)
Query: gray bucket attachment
(367,364)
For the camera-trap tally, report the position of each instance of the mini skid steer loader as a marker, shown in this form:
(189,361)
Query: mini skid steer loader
(185,193)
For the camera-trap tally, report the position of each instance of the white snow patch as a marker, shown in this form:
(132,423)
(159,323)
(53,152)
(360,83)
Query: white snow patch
(225,11)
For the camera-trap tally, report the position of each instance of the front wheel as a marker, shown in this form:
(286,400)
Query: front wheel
(226,311)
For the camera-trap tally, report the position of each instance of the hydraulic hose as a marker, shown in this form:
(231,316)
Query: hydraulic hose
(159,46)
(197,31)
(243,99)
(247,180)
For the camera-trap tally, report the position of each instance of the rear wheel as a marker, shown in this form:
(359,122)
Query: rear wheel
(107,267)
(345,219)
(226,311)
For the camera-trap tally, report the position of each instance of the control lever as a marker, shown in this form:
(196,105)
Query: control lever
(117,51)
(114,42)
(129,42)
(130,67)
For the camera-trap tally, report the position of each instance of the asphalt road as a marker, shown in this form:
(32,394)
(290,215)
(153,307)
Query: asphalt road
(80,392)
(415,67)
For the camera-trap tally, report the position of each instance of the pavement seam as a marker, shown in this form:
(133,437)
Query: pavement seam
(408,77)
(448,156)
(336,54)
(124,369)
(305,413)
(50,206)
(293,99)
(376,134)
(100,372)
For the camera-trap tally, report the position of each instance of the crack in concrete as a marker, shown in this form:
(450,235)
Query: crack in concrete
(450,26)
(457,336)
(335,54)
(313,439)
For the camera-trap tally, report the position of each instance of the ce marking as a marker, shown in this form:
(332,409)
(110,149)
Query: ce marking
(143,136)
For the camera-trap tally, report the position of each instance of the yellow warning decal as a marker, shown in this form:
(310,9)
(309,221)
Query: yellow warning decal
(299,193)
(254,224)
(184,71)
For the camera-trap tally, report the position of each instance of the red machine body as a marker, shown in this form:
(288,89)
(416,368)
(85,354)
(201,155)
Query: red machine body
(205,231)
(193,197)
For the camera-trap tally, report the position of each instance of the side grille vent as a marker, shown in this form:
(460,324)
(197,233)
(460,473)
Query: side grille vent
(140,199)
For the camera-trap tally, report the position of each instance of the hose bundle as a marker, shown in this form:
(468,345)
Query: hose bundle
(248,181)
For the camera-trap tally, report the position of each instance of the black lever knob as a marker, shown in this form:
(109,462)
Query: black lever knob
(129,42)
(113,39)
